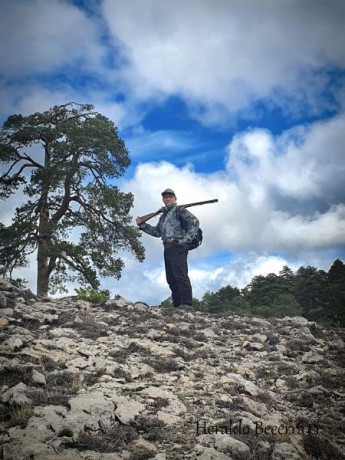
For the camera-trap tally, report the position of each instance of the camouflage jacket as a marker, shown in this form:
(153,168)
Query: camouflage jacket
(171,229)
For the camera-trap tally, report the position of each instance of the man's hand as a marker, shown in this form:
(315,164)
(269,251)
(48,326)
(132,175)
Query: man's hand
(138,221)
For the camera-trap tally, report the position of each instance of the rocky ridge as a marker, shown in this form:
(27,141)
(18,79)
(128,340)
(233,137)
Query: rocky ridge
(131,382)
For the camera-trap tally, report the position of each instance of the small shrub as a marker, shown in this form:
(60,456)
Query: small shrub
(65,432)
(264,397)
(330,382)
(200,337)
(232,325)
(111,439)
(20,414)
(44,397)
(297,345)
(14,375)
(92,378)
(262,373)
(203,354)
(68,381)
(158,404)
(317,331)
(236,404)
(66,317)
(286,369)
(119,373)
(120,356)
(224,404)
(141,453)
(320,448)
(306,400)
(136,348)
(151,428)
(162,364)
(48,364)
(292,383)
(181,332)
(92,295)
(272,340)
(182,354)
(89,328)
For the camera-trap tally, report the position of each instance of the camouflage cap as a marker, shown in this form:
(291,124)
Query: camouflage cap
(168,191)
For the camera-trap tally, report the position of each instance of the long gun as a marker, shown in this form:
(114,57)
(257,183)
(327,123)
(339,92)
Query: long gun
(153,214)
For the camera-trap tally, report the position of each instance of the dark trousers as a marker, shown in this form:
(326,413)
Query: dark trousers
(176,270)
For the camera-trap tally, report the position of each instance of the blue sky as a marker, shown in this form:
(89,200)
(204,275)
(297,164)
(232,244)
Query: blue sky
(237,100)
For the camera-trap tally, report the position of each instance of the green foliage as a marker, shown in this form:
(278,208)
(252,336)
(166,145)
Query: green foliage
(220,301)
(312,293)
(309,289)
(92,295)
(263,290)
(167,303)
(74,217)
(18,282)
(282,305)
(333,311)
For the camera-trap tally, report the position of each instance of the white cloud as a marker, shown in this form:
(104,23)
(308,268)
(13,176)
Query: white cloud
(219,56)
(248,219)
(249,222)
(223,55)
(45,35)
(281,194)
(305,163)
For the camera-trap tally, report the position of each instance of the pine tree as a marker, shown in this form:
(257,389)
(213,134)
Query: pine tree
(73,153)
(334,295)
(309,288)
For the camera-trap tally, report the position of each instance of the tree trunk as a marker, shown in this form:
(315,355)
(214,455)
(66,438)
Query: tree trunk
(42,269)
(43,233)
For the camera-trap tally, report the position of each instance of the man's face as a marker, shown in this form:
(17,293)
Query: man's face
(168,200)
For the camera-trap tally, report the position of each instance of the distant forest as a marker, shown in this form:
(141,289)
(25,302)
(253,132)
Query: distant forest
(315,294)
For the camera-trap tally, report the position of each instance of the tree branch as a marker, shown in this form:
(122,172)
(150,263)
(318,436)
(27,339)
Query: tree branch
(15,176)
(27,158)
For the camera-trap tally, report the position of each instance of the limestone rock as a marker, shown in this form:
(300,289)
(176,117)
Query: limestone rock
(228,444)
(212,454)
(244,385)
(284,450)
(38,378)
(312,358)
(155,373)
(12,344)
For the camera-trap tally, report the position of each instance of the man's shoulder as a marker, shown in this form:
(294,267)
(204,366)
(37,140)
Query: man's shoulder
(183,211)
(187,215)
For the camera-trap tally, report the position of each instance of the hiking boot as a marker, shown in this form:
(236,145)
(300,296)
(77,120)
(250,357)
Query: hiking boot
(186,308)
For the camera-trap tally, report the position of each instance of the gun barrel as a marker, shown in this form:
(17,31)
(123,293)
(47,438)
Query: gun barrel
(198,203)
(153,214)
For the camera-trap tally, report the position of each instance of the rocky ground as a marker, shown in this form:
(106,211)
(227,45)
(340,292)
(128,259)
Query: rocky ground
(126,381)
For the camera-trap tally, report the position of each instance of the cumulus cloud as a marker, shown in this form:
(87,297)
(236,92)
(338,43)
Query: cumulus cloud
(249,217)
(246,229)
(305,163)
(276,194)
(248,214)
(222,55)
(45,35)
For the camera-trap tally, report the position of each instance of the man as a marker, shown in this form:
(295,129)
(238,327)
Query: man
(177,227)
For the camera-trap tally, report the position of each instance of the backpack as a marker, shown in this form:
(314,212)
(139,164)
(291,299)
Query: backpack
(197,240)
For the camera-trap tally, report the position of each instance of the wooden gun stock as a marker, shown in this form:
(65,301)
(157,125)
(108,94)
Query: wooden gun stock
(149,216)
(146,217)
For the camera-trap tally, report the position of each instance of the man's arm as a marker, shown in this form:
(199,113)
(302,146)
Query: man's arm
(149,229)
